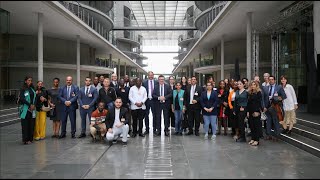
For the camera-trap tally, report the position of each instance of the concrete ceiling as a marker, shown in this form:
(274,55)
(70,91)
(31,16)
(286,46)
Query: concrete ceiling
(59,23)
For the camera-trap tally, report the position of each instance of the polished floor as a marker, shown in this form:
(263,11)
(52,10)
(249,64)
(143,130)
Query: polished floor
(150,157)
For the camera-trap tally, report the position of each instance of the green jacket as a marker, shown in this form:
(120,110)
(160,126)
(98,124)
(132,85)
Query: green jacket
(23,108)
(180,95)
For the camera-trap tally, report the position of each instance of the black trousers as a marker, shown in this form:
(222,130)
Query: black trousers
(185,123)
(194,119)
(27,125)
(137,115)
(172,118)
(240,118)
(159,108)
(150,104)
(255,127)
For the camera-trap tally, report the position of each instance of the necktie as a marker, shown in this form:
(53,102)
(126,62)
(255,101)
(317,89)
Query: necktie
(270,92)
(68,92)
(87,92)
(151,86)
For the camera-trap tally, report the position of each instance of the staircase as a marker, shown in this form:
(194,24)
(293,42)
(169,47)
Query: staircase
(9,116)
(305,135)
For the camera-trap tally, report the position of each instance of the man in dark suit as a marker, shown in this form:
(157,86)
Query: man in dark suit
(150,84)
(162,94)
(87,98)
(173,87)
(68,96)
(117,123)
(114,81)
(192,102)
(272,93)
(127,81)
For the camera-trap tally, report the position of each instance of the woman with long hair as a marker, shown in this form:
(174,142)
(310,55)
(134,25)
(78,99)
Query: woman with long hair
(223,94)
(178,107)
(290,105)
(254,111)
(27,101)
(55,104)
(240,110)
(41,117)
(184,83)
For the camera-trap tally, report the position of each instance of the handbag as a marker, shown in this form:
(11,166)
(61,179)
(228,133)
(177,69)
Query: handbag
(45,109)
(263,116)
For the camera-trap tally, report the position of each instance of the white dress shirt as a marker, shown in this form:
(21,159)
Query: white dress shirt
(192,91)
(116,117)
(136,96)
(291,100)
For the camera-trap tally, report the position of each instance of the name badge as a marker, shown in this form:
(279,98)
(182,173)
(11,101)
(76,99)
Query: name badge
(26,94)
(89,95)
(275,94)
(122,90)
(123,119)
(196,94)
(181,99)
(73,94)
(219,95)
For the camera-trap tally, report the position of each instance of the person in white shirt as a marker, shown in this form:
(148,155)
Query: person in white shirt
(290,104)
(138,97)
(266,79)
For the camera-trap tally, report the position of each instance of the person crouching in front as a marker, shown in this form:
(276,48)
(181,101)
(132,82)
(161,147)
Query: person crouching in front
(117,123)
(98,122)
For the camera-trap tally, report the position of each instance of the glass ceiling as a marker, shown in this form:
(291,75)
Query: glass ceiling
(159,14)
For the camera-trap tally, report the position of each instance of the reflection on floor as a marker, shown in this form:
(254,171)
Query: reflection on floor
(150,157)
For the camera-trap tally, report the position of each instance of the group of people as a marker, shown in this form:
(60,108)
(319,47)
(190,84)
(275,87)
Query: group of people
(116,108)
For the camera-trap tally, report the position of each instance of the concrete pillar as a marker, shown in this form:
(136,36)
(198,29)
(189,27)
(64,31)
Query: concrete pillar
(255,53)
(40,46)
(190,69)
(110,61)
(78,60)
(199,79)
(316,28)
(118,70)
(125,68)
(249,30)
(194,62)
(222,58)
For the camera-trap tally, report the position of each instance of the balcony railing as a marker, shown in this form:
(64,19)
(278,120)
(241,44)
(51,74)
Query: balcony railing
(85,15)
(105,63)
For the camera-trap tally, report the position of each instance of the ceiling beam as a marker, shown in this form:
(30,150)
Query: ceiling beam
(150,28)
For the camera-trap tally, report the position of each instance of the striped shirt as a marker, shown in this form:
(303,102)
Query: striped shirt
(97,117)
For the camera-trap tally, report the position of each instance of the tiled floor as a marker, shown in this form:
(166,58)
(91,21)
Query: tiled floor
(150,157)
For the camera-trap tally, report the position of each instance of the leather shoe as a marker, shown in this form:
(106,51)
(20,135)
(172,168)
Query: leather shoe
(82,135)
(146,132)
(141,135)
(166,133)
(197,133)
(134,135)
(190,132)
(62,136)
(73,136)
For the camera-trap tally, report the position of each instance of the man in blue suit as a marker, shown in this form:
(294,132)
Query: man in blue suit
(271,94)
(161,95)
(87,98)
(150,84)
(68,96)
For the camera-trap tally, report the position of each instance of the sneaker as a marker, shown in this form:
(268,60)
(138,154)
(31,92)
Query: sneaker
(124,143)
(121,135)
(206,136)
(128,135)
(213,137)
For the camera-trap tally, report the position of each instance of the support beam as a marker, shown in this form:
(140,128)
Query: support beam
(110,61)
(249,42)
(194,62)
(155,28)
(78,60)
(118,70)
(222,58)
(40,46)
(125,68)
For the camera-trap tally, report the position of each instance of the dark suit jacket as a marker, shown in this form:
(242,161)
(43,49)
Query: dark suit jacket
(278,89)
(146,85)
(174,88)
(111,116)
(195,97)
(212,102)
(124,96)
(86,100)
(73,97)
(167,94)
(114,86)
